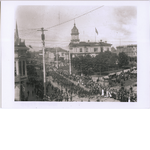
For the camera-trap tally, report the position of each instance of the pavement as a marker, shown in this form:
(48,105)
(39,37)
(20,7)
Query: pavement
(33,97)
(85,99)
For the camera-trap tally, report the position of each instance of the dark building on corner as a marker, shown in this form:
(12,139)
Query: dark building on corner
(20,67)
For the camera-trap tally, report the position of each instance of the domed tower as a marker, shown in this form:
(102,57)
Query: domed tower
(74,35)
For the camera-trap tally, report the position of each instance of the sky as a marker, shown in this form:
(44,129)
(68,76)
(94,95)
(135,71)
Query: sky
(115,24)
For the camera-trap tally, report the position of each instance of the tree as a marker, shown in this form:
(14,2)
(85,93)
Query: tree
(113,60)
(104,60)
(31,71)
(133,64)
(123,59)
(88,64)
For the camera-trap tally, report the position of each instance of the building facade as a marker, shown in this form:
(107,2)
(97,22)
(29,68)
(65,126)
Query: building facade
(54,54)
(20,67)
(83,48)
(130,50)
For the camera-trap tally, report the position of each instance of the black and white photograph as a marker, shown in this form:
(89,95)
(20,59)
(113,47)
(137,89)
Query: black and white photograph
(75,53)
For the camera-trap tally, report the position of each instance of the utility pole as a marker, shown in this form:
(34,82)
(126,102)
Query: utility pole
(57,45)
(56,57)
(69,63)
(43,41)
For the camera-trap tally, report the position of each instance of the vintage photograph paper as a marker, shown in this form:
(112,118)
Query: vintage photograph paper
(75,53)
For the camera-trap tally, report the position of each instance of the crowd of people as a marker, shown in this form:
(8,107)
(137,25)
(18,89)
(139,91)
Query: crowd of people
(37,89)
(53,93)
(80,86)
(66,84)
(95,89)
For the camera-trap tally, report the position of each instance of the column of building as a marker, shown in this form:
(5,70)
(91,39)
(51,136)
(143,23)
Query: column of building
(21,68)
(17,85)
(17,67)
(25,69)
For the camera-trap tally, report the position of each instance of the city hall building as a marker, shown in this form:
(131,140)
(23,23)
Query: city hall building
(83,48)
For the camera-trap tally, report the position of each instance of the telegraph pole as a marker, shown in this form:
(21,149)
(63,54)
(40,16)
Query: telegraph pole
(69,62)
(56,58)
(43,41)
(57,45)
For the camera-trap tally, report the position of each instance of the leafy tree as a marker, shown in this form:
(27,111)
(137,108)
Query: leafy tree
(123,59)
(113,60)
(87,64)
(31,71)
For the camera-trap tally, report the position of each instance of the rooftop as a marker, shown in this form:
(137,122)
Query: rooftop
(53,49)
(131,45)
(82,43)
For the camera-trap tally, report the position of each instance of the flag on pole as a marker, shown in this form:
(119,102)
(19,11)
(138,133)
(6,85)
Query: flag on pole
(30,46)
(96,31)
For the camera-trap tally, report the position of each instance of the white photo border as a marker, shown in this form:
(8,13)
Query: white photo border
(143,60)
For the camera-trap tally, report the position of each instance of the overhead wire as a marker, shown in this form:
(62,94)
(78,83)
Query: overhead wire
(35,29)
(75,17)
(67,20)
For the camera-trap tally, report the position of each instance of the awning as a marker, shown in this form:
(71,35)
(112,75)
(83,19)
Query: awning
(118,73)
(106,77)
(112,74)
(126,70)
(134,72)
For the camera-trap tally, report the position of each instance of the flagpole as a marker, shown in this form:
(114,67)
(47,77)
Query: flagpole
(96,32)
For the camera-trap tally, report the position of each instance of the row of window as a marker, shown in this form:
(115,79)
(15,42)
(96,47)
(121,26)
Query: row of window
(87,50)
(127,50)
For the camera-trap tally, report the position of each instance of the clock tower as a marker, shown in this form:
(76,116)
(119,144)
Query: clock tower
(74,35)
